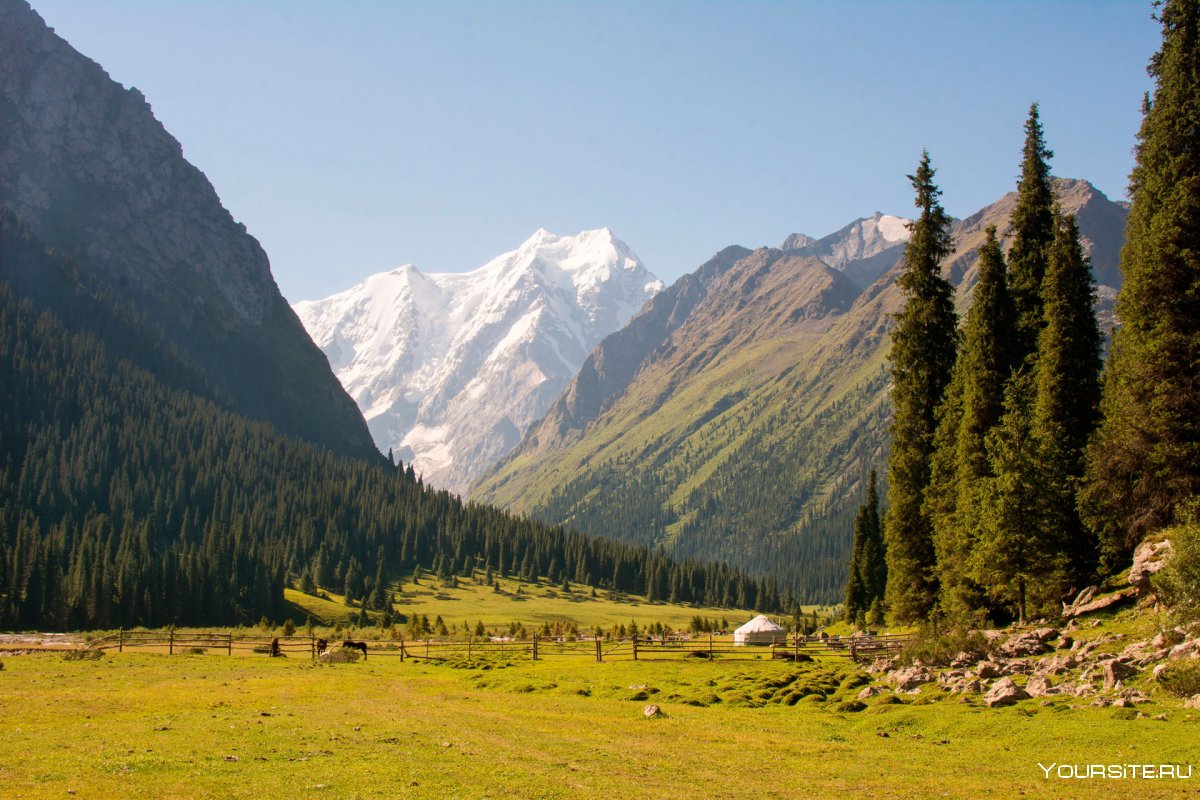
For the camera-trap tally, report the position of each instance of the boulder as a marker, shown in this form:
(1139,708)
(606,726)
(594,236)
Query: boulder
(1065,643)
(970,687)
(869,692)
(1189,649)
(963,659)
(1100,603)
(988,670)
(1038,685)
(1046,634)
(652,711)
(1024,644)
(909,677)
(1117,669)
(1192,702)
(1148,558)
(1004,693)
(1055,665)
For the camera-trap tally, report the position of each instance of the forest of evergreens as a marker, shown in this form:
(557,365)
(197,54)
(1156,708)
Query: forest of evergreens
(1019,472)
(127,498)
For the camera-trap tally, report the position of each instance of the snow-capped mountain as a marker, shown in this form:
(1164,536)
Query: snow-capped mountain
(863,250)
(450,369)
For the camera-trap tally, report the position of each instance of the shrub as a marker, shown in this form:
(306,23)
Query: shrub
(1181,678)
(289,628)
(940,650)
(83,655)
(1178,582)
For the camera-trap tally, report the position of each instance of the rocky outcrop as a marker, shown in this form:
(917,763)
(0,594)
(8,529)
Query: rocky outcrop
(91,172)
(1148,559)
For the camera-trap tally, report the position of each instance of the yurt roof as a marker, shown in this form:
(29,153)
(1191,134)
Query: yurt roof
(759,624)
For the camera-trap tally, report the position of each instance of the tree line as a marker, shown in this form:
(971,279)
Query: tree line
(1022,468)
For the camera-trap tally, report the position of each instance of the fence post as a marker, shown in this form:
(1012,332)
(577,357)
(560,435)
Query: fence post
(599,655)
(710,653)
(469,639)
(312,642)
(121,641)
(535,647)
(171,643)
(797,640)
(426,648)
(635,648)
(229,644)
(401,649)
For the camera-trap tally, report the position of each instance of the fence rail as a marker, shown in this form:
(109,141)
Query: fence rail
(703,648)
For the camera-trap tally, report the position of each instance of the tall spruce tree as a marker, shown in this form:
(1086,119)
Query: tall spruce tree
(1033,233)
(1012,558)
(868,568)
(922,355)
(1068,388)
(1145,461)
(973,406)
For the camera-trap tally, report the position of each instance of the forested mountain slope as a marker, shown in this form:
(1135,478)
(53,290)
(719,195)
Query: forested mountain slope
(747,428)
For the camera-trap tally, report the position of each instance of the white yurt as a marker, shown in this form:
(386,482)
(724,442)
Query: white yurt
(759,630)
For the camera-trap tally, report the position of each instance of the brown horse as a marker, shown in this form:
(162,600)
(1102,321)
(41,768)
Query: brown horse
(322,646)
(357,646)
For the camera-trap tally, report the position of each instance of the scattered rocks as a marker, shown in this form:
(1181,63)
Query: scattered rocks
(1056,665)
(1038,686)
(988,670)
(1189,649)
(1004,693)
(1100,603)
(963,659)
(1148,558)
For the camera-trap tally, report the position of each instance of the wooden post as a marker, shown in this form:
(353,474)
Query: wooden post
(710,653)
(797,638)
(229,644)
(599,655)
(121,641)
(635,648)
(312,642)
(469,639)
(171,643)
(535,647)
(426,648)
(402,649)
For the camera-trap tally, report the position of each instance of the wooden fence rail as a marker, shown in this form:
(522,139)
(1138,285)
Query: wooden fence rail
(707,648)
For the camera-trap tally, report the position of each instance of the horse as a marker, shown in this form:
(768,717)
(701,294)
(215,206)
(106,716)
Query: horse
(275,648)
(356,646)
(322,646)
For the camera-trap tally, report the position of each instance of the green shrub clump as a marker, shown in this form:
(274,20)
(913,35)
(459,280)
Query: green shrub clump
(1181,678)
(1178,582)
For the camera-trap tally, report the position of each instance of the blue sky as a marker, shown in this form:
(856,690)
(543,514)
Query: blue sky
(354,137)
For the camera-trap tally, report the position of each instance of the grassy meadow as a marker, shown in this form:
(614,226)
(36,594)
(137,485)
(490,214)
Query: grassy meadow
(140,725)
(536,603)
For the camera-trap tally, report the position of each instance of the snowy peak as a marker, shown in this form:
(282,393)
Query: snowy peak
(450,369)
(863,250)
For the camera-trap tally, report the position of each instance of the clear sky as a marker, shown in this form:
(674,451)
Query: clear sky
(354,137)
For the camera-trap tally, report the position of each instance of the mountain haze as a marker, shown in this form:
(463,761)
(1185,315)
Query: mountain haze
(744,433)
(451,369)
(89,170)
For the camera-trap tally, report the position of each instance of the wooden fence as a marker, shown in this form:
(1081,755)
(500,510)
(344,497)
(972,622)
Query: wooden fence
(701,648)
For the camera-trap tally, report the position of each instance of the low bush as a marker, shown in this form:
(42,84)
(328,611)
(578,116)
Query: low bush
(1181,678)
(1178,582)
(940,649)
(83,655)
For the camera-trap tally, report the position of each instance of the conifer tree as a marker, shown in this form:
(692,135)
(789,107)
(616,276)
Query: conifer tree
(922,357)
(868,569)
(1033,233)
(1145,461)
(973,406)
(1068,388)
(1012,558)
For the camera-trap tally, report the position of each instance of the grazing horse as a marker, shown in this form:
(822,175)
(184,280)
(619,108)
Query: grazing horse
(357,646)
(275,648)
(322,646)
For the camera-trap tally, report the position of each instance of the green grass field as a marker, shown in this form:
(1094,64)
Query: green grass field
(138,725)
(536,604)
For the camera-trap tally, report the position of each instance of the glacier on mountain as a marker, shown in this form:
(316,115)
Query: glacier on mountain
(450,369)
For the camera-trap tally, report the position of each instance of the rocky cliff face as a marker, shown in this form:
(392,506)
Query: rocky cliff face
(89,169)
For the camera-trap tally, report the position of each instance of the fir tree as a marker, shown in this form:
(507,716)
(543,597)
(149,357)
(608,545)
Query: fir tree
(1012,558)
(868,569)
(973,406)
(1145,460)
(1033,233)
(922,357)
(1068,388)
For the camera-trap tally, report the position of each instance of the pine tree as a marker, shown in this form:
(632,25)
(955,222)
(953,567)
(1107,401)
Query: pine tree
(868,569)
(973,406)
(922,357)
(1033,233)
(1068,388)
(1145,460)
(1012,557)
